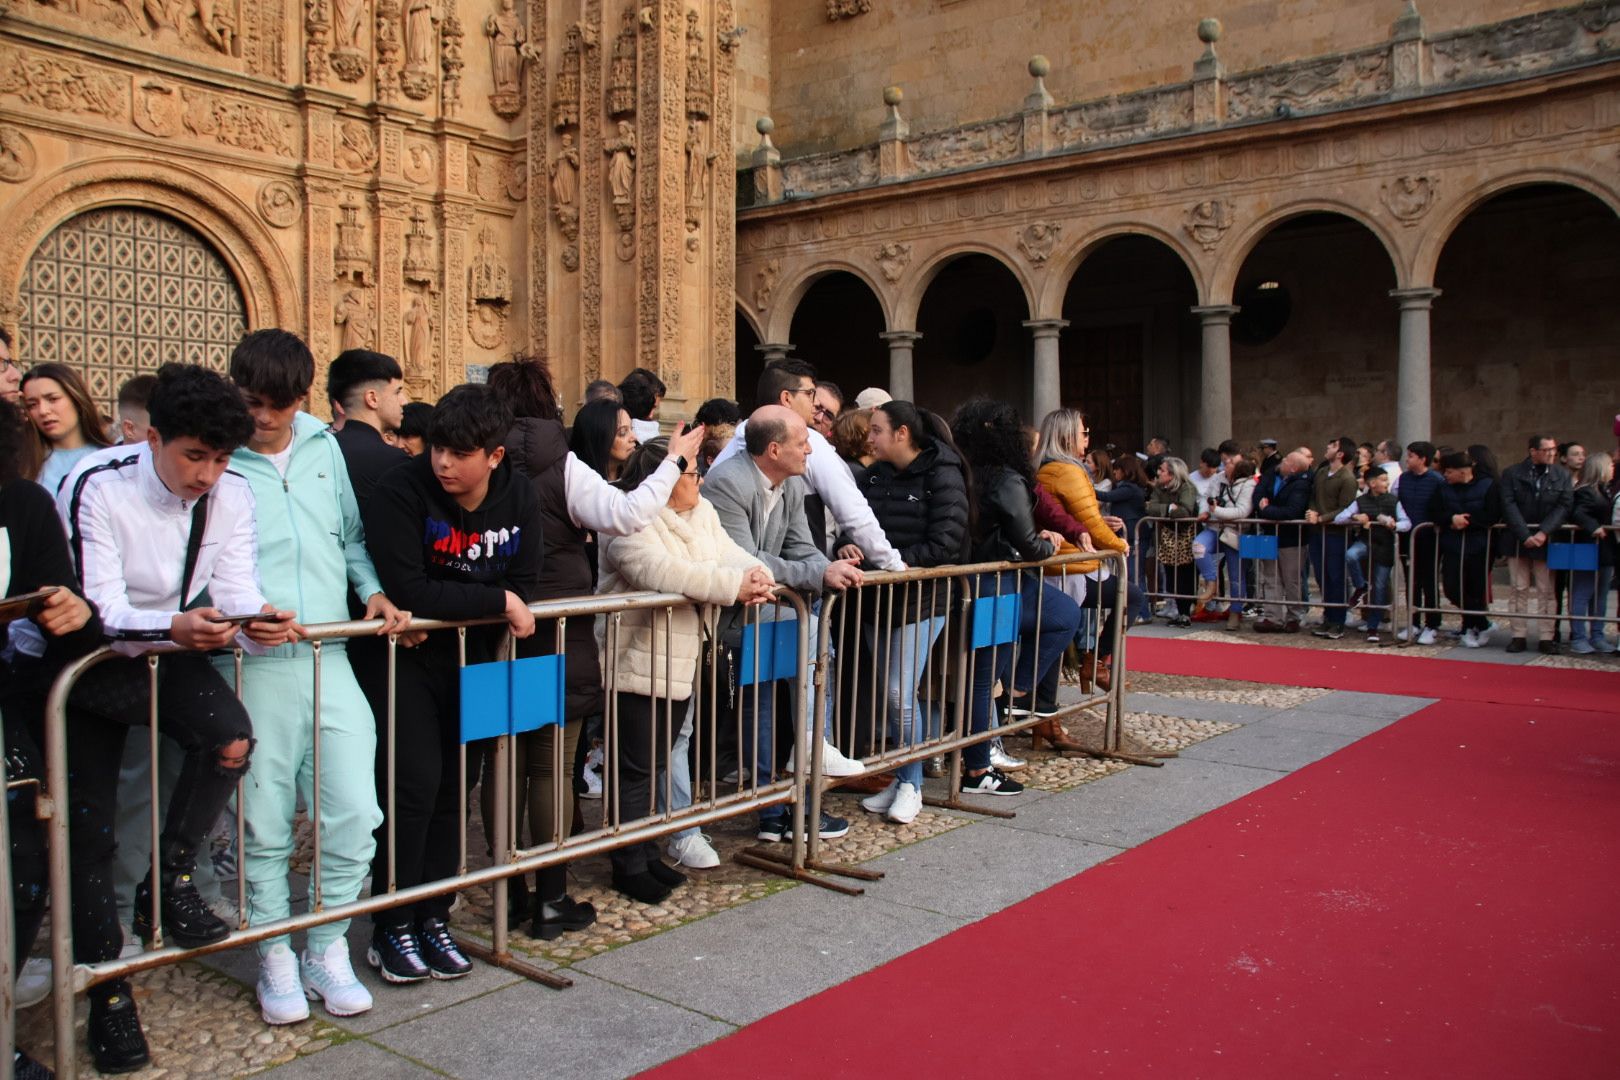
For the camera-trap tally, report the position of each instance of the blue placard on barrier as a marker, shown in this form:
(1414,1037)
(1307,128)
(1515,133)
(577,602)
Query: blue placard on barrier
(510,697)
(777,646)
(1572,556)
(995,620)
(1257,547)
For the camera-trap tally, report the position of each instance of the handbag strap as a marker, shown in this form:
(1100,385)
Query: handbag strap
(199,525)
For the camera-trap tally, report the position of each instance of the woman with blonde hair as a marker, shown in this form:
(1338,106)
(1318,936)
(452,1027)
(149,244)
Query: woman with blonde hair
(66,424)
(1593,516)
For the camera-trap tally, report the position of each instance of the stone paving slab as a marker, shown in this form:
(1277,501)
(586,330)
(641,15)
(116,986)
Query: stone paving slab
(1195,709)
(748,962)
(356,1060)
(1350,725)
(1357,703)
(1277,749)
(592,1030)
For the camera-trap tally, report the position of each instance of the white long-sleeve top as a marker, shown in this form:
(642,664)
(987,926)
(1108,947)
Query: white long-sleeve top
(595,504)
(129,534)
(1402,522)
(830,478)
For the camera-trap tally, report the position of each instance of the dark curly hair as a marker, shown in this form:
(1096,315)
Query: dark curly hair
(191,401)
(524,383)
(470,417)
(990,435)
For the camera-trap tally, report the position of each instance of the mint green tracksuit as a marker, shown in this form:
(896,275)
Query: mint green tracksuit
(311,548)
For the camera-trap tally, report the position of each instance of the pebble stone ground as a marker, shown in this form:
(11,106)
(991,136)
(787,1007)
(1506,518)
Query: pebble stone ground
(662,972)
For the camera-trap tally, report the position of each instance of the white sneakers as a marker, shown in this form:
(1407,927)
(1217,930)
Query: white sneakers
(281,998)
(285,992)
(900,803)
(833,762)
(694,851)
(1427,637)
(330,977)
(34,984)
(593,774)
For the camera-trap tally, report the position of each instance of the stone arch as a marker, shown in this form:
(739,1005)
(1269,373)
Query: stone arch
(1224,279)
(266,281)
(779,319)
(1067,264)
(746,312)
(910,302)
(1440,232)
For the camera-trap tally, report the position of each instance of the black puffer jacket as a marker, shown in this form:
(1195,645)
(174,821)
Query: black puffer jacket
(1006,526)
(539,450)
(923,510)
(1593,510)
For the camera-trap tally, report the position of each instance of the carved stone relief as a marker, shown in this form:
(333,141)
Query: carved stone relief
(1037,239)
(488,177)
(486,325)
(699,159)
(351,44)
(1409,198)
(278,203)
(621,88)
(17,157)
(847,9)
(356,149)
(389,50)
(1208,221)
(451,61)
(488,280)
(351,257)
(417,332)
(352,314)
(978,145)
(317,39)
(418,163)
(893,258)
(159,109)
(420,75)
(419,265)
(237,123)
(565,187)
(699,95)
(565,94)
(507,38)
(61,85)
(765,279)
(1312,84)
(621,152)
(206,25)
(517,180)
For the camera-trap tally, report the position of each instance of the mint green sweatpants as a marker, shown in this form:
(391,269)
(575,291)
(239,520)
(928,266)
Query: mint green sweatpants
(279,693)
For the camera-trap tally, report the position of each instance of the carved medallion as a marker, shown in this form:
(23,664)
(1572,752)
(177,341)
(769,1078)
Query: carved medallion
(1409,197)
(1208,221)
(159,108)
(418,165)
(893,258)
(486,325)
(356,150)
(1037,240)
(17,158)
(278,203)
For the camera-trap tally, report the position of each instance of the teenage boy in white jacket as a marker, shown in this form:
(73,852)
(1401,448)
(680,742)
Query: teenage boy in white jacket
(311,548)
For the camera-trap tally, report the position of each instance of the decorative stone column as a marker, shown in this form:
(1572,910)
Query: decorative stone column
(901,343)
(1048,380)
(1215,391)
(773,351)
(1413,379)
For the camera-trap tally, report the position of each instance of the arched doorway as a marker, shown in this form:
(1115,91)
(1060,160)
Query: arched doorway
(749,363)
(1523,334)
(120,291)
(1315,346)
(836,327)
(1129,356)
(973,338)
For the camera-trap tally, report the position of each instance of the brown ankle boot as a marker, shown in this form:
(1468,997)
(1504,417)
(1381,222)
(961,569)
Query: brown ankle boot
(1054,734)
(1088,671)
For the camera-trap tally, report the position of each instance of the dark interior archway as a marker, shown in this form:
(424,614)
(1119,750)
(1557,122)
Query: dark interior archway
(836,327)
(1523,334)
(973,339)
(1129,355)
(749,363)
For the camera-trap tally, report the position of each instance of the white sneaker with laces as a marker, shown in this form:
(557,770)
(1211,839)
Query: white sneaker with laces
(34,984)
(1484,636)
(906,805)
(695,851)
(330,977)
(833,762)
(593,784)
(281,999)
(1427,637)
(1471,640)
(1000,759)
(880,803)
(1402,635)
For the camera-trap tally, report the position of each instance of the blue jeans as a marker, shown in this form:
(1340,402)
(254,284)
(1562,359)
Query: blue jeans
(761,720)
(1041,641)
(907,654)
(1355,563)
(1588,602)
(1327,559)
(1139,611)
(1234,576)
(1380,596)
(1207,555)
(680,773)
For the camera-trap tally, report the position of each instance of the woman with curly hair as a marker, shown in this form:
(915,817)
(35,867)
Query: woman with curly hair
(991,439)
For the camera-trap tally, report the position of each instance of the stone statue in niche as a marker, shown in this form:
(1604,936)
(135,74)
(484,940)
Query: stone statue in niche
(351,258)
(1409,197)
(421,49)
(506,41)
(1208,221)
(417,324)
(698,160)
(699,95)
(353,314)
(565,97)
(488,281)
(419,248)
(349,45)
(565,187)
(621,88)
(622,183)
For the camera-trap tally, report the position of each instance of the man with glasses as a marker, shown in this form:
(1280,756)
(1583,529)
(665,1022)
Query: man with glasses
(829,402)
(10,373)
(1536,500)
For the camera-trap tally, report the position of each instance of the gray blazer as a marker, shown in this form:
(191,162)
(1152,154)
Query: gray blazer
(781,540)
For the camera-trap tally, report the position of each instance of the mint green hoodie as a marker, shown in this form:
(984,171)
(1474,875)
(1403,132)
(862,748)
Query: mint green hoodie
(312,546)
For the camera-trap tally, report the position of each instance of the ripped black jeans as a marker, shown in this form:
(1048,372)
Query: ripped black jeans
(199,710)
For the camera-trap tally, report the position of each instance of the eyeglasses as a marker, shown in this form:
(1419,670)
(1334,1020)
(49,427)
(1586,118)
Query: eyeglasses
(804,390)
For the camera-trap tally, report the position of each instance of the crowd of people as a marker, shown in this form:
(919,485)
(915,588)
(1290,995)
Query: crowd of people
(221,518)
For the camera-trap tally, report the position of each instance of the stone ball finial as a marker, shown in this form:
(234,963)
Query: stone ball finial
(764,125)
(1040,67)
(1209,31)
(892,96)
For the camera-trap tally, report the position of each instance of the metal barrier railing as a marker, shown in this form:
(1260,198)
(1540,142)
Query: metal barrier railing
(1321,547)
(1458,582)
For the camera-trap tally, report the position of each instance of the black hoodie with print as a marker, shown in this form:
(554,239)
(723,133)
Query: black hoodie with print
(440,561)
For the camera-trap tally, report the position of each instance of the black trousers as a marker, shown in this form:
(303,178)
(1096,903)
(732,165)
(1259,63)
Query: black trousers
(643,749)
(30,874)
(1465,581)
(1420,572)
(1099,596)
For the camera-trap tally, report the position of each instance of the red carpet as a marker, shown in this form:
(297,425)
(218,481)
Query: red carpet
(1440,899)
(1386,672)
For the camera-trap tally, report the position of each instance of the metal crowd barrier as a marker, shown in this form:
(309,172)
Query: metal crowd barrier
(1256,545)
(1453,580)
(622,825)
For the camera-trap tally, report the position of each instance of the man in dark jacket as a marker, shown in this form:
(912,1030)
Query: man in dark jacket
(1536,500)
(1284,498)
(370,389)
(1416,494)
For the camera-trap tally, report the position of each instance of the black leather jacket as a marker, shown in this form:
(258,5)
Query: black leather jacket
(1006,526)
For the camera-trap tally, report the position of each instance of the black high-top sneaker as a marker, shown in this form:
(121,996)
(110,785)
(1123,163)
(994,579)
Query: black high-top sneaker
(440,951)
(397,954)
(117,1043)
(187,919)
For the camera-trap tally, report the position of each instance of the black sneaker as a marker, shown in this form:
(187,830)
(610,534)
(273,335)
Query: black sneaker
(397,955)
(1332,631)
(1551,648)
(831,828)
(1518,644)
(556,917)
(24,1067)
(440,951)
(991,782)
(665,874)
(117,1043)
(774,830)
(187,919)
